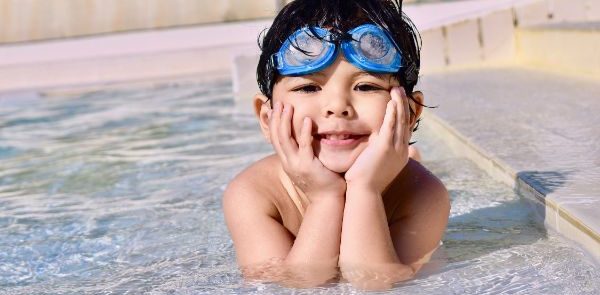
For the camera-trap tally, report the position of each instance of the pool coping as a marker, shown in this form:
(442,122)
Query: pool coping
(548,212)
(203,48)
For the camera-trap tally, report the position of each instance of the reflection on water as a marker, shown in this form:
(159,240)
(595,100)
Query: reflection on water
(120,190)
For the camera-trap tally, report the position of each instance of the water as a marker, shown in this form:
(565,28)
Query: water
(118,190)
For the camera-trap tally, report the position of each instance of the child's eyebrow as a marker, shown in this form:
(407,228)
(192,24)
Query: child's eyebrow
(311,75)
(376,75)
(319,74)
(383,77)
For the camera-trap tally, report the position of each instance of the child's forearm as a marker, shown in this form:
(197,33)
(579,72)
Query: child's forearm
(366,250)
(314,255)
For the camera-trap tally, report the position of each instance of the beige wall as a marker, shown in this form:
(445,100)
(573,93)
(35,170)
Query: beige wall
(29,20)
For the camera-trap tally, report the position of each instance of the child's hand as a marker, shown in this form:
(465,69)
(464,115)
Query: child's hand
(298,160)
(387,153)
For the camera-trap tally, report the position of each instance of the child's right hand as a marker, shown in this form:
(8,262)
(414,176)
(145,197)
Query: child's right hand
(298,160)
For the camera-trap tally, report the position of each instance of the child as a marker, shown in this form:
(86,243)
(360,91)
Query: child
(340,190)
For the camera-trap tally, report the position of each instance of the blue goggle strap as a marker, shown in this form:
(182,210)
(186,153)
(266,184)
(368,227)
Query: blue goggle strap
(354,57)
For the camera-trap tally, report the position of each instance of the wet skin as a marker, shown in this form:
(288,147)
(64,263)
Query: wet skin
(341,142)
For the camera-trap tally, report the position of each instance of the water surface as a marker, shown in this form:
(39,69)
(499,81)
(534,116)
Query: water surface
(119,191)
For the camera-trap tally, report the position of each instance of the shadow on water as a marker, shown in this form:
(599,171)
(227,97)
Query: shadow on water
(471,236)
(500,225)
(490,229)
(486,230)
(544,182)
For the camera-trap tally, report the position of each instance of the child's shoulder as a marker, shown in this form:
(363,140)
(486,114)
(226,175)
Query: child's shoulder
(420,174)
(260,178)
(423,184)
(255,186)
(415,188)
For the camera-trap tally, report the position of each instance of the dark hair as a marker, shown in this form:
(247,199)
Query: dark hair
(341,16)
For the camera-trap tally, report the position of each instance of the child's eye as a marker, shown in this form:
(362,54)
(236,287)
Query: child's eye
(367,87)
(307,89)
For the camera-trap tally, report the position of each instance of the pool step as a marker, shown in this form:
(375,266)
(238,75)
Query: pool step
(534,130)
(572,48)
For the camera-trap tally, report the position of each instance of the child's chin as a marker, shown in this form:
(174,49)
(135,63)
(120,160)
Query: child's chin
(336,166)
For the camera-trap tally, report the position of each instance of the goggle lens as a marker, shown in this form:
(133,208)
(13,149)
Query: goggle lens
(373,46)
(313,48)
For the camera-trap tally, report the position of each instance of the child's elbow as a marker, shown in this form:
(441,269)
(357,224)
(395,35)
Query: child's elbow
(291,275)
(377,278)
(309,276)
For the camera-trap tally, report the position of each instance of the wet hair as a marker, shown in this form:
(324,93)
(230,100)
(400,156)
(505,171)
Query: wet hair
(340,16)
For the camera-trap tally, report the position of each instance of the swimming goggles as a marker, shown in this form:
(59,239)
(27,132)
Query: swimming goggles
(369,49)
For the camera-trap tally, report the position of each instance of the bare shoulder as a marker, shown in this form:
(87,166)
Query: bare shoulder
(425,182)
(252,188)
(251,215)
(422,191)
(419,221)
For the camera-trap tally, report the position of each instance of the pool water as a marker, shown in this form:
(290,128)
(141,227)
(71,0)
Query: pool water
(118,190)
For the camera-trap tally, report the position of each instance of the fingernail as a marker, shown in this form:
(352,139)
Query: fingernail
(286,108)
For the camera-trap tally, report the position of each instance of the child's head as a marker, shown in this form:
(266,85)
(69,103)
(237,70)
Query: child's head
(340,16)
(345,95)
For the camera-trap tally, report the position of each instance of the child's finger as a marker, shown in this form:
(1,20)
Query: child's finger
(406,128)
(397,97)
(400,118)
(274,131)
(288,144)
(305,139)
(389,122)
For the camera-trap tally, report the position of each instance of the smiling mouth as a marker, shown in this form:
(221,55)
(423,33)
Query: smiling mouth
(338,136)
(341,140)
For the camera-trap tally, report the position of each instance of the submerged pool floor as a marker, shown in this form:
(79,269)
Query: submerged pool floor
(119,190)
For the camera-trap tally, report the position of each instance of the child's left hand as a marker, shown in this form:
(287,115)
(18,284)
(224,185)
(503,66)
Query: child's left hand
(387,153)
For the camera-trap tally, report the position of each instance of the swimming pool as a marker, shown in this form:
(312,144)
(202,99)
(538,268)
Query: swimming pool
(118,190)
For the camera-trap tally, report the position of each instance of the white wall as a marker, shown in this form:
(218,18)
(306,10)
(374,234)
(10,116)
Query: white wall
(29,20)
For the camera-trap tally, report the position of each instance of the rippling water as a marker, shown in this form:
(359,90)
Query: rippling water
(118,191)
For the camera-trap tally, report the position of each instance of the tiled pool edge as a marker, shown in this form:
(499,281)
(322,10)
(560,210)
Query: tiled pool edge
(547,211)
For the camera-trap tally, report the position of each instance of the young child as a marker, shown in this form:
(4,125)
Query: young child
(340,192)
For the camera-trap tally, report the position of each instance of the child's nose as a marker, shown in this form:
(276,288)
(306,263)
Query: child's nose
(339,107)
(342,114)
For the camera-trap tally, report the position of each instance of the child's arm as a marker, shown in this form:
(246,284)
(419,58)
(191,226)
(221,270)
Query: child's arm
(374,255)
(311,258)
(370,251)
(266,250)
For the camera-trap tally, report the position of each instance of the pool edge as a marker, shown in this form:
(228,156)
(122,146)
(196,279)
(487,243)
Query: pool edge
(554,216)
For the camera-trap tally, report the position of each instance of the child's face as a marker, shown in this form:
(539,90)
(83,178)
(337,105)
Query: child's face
(340,99)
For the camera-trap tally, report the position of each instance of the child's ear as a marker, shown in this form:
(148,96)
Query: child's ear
(416,107)
(262,109)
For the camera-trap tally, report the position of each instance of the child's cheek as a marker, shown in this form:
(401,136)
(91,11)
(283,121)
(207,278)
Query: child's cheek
(374,113)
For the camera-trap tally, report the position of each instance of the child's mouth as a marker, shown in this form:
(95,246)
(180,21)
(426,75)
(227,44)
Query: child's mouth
(341,140)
